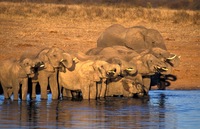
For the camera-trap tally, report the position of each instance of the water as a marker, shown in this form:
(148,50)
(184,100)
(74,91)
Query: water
(165,110)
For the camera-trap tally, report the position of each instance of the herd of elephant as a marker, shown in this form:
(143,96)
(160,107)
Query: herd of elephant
(124,63)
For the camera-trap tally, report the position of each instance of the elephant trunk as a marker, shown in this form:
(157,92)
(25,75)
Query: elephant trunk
(115,71)
(174,60)
(67,60)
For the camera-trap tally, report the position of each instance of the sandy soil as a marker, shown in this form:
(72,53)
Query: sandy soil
(28,35)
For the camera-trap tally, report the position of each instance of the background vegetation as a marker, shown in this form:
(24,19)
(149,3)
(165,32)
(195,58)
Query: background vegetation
(174,4)
(153,10)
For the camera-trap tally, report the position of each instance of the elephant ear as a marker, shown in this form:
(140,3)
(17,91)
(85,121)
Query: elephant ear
(98,68)
(42,55)
(126,85)
(21,71)
(96,77)
(22,74)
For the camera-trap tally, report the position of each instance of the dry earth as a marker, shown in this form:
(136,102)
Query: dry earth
(20,35)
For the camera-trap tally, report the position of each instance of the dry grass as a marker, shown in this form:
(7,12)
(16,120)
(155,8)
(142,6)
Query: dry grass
(28,27)
(91,12)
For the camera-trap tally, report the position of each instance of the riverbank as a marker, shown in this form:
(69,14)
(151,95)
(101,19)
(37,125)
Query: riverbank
(30,27)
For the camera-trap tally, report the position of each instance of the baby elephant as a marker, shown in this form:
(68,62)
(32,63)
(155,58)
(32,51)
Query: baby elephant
(14,73)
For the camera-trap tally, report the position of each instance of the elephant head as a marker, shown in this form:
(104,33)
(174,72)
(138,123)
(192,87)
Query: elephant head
(127,68)
(166,56)
(53,58)
(106,70)
(133,86)
(154,39)
(153,64)
(28,65)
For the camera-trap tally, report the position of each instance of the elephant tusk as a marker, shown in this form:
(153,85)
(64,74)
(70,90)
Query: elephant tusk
(171,58)
(164,68)
(161,68)
(129,69)
(61,60)
(157,67)
(41,66)
(111,72)
(75,59)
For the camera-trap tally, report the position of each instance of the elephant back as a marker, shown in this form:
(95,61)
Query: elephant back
(113,35)
(135,39)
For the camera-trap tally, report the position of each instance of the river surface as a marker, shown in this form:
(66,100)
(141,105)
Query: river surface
(164,110)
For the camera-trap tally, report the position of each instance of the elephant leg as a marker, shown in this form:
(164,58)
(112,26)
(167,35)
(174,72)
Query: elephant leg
(43,87)
(33,94)
(93,90)
(54,86)
(146,82)
(24,88)
(66,93)
(98,89)
(5,92)
(9,92)
(103,88)
(15,90)
(85,89)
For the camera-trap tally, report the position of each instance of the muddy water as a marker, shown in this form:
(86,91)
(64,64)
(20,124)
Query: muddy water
(165,110)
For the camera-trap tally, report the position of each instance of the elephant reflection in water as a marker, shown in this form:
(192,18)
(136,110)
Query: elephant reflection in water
(44,114)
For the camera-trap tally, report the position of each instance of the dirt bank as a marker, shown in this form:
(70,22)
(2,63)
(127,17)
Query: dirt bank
(29,34)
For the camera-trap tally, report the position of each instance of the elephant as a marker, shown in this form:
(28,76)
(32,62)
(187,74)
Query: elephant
(146,63)
(126,86)
(137,38)
(89,77)
(14,73)
(52,58)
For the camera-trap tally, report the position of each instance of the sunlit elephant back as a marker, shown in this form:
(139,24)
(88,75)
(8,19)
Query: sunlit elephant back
(137,38)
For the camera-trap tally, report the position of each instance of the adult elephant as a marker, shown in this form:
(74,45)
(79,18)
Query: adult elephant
(127,53)
(137,38)
(52,58)
(146,63)
(14,73)
(89,77)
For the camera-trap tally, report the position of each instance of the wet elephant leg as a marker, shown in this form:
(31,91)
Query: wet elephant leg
(43,87)
(24,88)
(54,85)
(5,92)
(66,93)
(85,89)
(93,90)
(15,90)
(33,94)
(98,89)
(9,92)
(146,82)
(103,88)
